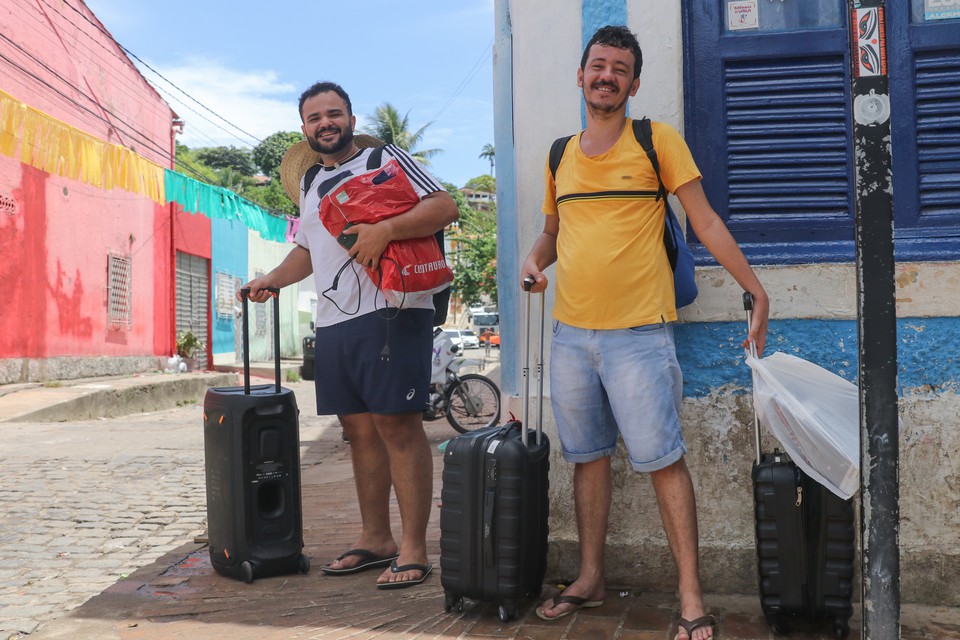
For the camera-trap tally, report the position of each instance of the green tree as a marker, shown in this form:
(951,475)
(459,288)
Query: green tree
(392,129)
(234,180)
(475,264)
(272,197)
(190,165)
(239,160)
(268,154)
(482,183)
(490,153)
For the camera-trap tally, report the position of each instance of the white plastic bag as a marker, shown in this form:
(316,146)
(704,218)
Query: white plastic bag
(815,414)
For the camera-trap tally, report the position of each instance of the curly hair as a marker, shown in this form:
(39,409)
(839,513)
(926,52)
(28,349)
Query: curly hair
(619,37)
(324,87)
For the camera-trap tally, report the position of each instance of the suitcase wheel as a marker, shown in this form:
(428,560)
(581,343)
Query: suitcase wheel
(304,564)
(246,569)
(451,602)
(507,612)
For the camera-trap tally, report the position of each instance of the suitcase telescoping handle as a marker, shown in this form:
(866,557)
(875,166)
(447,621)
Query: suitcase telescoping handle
(748,307)
(527,285)
(275,294)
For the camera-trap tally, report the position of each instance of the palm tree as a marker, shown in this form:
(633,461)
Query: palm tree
(392,129)
(490,153)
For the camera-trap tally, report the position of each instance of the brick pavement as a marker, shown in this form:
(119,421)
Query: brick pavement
(179,596)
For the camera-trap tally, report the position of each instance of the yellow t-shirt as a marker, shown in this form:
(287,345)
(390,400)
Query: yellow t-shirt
(612,268)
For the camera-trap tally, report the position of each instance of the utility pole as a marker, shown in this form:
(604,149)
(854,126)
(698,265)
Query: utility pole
(876,323)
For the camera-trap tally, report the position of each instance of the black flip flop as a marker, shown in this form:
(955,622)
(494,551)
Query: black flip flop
(692,625)
(370,561)
(577,602)
(425,569)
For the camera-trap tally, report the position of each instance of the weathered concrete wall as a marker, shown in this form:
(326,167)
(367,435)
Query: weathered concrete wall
(719,432)
(70,368)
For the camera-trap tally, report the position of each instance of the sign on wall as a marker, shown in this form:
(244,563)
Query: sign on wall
(941,9)
(742,14)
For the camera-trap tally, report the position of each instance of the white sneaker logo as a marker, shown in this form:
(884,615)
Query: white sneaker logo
(410,394)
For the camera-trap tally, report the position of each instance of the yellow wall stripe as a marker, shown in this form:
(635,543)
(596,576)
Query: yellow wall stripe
(59,149)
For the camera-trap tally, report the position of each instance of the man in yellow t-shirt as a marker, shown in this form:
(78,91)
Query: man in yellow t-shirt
(613,366)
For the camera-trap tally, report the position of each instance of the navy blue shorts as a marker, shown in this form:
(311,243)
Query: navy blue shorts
(352,376)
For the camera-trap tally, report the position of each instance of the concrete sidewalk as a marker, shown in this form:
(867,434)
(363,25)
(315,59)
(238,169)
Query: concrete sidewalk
(180,596)
(105,397)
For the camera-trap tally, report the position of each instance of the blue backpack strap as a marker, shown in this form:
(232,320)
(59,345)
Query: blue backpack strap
(678,253)
(556,153)
(643,132)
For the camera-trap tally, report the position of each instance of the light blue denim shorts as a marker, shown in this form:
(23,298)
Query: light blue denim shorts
(626,381)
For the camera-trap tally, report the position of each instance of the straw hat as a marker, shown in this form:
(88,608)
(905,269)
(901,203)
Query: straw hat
(301,157)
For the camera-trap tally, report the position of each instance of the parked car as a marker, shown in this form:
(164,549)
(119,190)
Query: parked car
(463,338)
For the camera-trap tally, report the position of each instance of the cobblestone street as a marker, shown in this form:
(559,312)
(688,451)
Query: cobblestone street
(83,504)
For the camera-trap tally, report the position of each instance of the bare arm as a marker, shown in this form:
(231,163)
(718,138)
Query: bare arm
(715,236)
(543,254)
(294,268)
(434,212)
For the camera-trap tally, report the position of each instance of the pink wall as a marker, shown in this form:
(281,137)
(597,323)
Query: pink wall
(56,233)
(96,88)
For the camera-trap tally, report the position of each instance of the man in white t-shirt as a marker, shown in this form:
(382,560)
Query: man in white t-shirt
(372,362)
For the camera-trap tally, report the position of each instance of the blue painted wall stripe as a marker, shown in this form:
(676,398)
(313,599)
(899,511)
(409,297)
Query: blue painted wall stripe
(596,14)
(508,249)
(712,359)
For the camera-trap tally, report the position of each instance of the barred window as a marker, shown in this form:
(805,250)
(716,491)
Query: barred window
(119,291)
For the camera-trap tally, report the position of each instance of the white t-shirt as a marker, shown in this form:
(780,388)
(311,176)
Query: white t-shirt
(356,294)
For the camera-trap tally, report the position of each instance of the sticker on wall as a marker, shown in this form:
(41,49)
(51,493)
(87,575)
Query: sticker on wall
(941,9)
(870,41)
(742,14)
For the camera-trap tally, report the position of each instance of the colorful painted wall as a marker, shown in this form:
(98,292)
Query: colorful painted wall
(69,202)
(229,261)
(813,314)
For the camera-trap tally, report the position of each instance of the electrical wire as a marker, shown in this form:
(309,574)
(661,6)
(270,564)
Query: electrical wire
(128,52)
(466,81)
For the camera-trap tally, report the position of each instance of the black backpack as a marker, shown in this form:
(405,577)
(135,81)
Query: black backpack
(441,299)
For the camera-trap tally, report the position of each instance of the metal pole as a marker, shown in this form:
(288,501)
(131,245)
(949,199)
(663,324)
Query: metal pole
(876,323)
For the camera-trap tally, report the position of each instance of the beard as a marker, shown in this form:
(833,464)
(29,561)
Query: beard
(343,142)
(604,108)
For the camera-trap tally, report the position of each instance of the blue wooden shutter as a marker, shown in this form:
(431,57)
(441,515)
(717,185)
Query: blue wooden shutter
(788,147)
(938,133)
(768,122)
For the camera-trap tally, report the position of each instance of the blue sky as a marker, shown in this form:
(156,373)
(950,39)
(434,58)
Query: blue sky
(249,61)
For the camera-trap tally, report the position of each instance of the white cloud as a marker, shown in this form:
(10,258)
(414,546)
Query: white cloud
(255,101)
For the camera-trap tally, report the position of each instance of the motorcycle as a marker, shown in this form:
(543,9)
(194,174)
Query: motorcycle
(468,402)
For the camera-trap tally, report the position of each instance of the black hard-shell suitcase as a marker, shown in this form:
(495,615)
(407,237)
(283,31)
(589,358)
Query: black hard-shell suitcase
(805,541)
(493,518)
(252,456)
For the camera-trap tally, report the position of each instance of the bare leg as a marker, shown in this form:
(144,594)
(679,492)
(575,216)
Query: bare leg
(411,467)
(678,510)
(591,494)
(371,473)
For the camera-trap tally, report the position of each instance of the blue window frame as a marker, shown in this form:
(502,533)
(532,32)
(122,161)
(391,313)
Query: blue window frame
(768,118)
